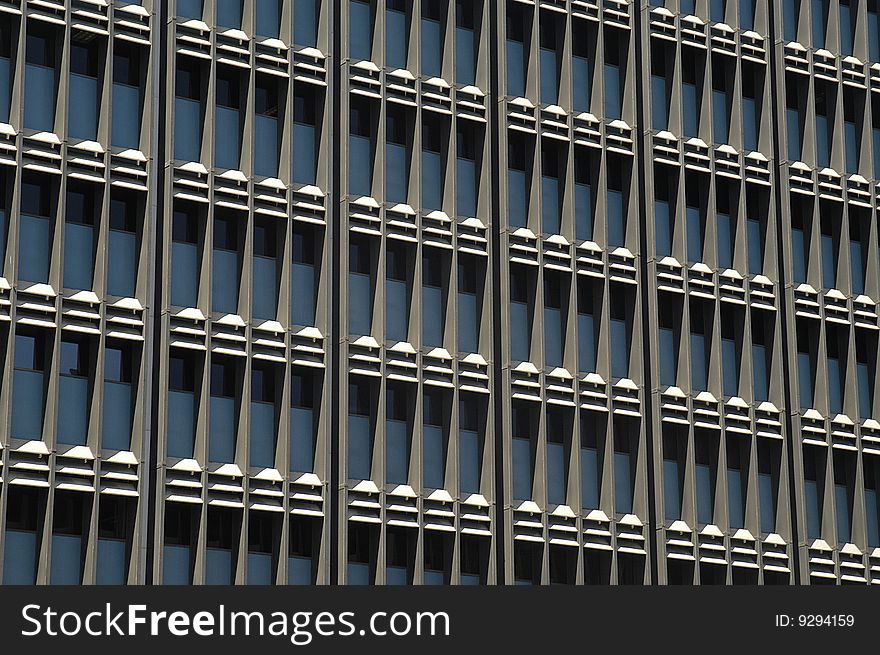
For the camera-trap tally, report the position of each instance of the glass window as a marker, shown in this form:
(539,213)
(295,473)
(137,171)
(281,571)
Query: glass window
(671,478)
(5,68)
(663,229)
(516,60)
(189,9)
(465,42)
(520,316)
(586,330)
(125,108)
(360,162)
(468,305)
(227,120)
(114,528)
(220,542)
(818,9)
(705,484)
(872,512)
(814,476)
(554,334)
(187,112)
(668,346)
(746,14)
(466,173)
(623,489)
(790,9)
(82,113)
(432,166)
(305,137)
(261,549)
(305,22)
(224,293)
(122,251)
(690,99)
(580,74)
(846,29)
(228,14)
(842,505)
(823,131)
(303,421)
(263,428)
(396,158)
(118,401)
(616,217)
(729,364)
(176,551)
(716,10)
(34,230)
(305,278)
(66,559)
(300,549)
(659,101)
(40,79)
(469,446)
(724,229)
(517,184)
(265,273)
(432,38)
(79,238)
(184,257)
(266,131)
(28,393)
(557,478)
(268,18)
(829,258)
(549,68)
(735,488)
(433,446)
(397,294)
(805,370)
(873,35)
(397,436)
(181,420)
(73,393)
(619,336)
(360,288)
(21,548)
(396,33)
(551,191)
(223,420)
(755,238)
(768,462)
(360,432)
(433,305)
(523,460)
(360,30)
(583,199)
(590,467)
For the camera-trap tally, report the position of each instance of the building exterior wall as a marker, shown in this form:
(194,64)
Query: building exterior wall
(439,292)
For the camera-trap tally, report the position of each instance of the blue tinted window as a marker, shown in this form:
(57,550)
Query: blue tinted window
(432,46)
(303,304)
(125,108)
(465,42)
(263,428)
(303,427)
(468,306)
(360,289)
(396,295)
(83,109)
(40,85)
(360,29)
(433,449)
(187,114)
(117,402)
(469,447)
(266,131)
(184,258)
(268,18)
(305,22)
(228,13)
(433,318)
(396,33)
(79,257)
(360,435)
(122,247)
(622,482)
(189,9)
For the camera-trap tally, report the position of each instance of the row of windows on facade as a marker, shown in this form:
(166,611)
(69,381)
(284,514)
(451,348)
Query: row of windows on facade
(270,110)
(230,232)
(824,138)
(266,21)
(225,398)
(70,524)
(79,231)
(85,60)
(814,14)
(400,263)
(69,542)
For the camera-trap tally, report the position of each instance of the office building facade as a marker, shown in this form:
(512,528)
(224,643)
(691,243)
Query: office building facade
(439,292)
